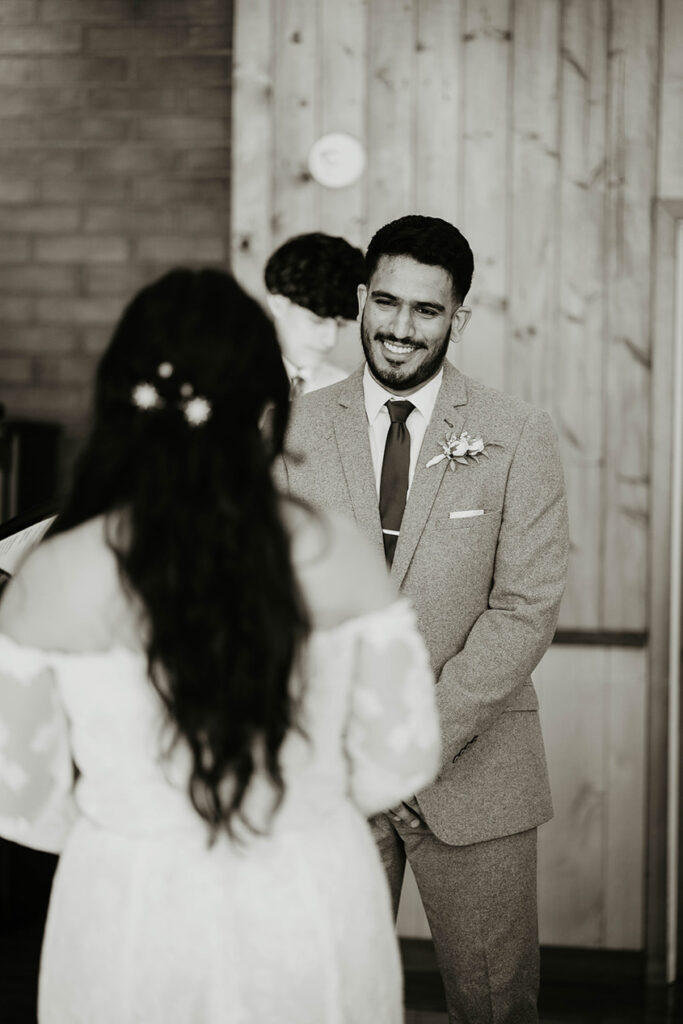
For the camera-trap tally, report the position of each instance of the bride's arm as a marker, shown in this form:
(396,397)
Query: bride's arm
(392,736)
(36,772)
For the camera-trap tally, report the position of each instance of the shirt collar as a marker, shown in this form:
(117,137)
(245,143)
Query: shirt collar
(305,372)
(424,399)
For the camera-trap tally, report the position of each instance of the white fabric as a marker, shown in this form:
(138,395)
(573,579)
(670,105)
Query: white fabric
(376,398)
(147,924)
(315,377)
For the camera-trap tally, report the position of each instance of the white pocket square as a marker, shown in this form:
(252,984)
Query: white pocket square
(466,514)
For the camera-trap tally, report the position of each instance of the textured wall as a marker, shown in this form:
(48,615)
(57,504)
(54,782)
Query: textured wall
(114,165)
(534,126)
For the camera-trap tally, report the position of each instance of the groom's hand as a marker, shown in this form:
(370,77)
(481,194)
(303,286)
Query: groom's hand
(403,813)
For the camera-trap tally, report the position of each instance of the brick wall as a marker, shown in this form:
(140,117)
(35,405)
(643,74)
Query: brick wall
(114,166)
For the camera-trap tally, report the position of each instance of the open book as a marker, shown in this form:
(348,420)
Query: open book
(19,535)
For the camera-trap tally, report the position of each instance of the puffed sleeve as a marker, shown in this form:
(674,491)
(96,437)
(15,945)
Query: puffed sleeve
(36,772)
(392,735)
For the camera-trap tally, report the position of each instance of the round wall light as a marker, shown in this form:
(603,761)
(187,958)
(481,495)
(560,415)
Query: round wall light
(336,160)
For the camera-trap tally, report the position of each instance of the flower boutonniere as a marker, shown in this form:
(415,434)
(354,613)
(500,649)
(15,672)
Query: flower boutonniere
(463,448)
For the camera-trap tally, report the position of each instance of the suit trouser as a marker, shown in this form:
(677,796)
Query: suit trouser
(481,904)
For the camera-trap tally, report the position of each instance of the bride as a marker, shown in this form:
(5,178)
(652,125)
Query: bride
(199,706)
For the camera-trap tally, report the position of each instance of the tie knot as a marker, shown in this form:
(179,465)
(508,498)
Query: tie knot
(399,411)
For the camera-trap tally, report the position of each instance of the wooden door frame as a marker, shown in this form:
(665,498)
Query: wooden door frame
(664,736)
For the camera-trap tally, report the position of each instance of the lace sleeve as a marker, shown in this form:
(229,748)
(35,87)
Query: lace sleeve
(36,773)
(392,737)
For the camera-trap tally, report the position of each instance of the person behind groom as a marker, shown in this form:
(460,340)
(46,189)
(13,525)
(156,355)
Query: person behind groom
(463,489)
(312,281)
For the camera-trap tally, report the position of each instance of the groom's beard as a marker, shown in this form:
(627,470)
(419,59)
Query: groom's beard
(398,379)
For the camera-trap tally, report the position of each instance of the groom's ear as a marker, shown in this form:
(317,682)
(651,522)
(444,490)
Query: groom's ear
(362,296)
(460,321)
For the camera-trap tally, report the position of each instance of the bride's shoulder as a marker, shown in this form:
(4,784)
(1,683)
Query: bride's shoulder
(341,574)
(64,592)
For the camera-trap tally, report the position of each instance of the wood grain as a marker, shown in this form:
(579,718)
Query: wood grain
(487,57)
(252,138)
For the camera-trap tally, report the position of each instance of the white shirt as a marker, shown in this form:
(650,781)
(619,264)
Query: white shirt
(315,377)
(379,421)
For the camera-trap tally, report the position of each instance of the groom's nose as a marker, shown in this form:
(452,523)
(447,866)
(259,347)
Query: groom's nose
(402,323)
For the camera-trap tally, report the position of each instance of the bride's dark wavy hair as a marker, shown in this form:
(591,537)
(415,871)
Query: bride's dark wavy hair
(204,547)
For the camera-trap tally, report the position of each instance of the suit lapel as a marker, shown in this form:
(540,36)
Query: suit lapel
(447,417)
(351,432)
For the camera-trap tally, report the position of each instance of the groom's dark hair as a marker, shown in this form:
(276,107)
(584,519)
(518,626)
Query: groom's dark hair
(429,240)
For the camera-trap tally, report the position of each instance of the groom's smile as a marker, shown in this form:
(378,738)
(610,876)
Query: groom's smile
(408,309)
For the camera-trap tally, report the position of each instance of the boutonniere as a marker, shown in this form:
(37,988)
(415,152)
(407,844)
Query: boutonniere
(463,448)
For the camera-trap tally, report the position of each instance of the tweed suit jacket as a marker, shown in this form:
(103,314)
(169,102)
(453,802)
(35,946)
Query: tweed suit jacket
(486,588)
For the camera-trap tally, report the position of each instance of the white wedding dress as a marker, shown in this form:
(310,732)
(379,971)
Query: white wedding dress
(149,924)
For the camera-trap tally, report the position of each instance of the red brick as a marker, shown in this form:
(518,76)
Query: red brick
(94,340)
(35,218)
(199,162)
(83,190)
(207,101)
(134,218)
(41,39)
(202,218)
(113,279)
(38,160)
(15,370)
(132,99)
(190,129)
(37,99)
(18,12)
(144,37)
(71,126)
(15,309)
(18,129)
(184,70)
(65,403)
(75,248)
(126,159)
(30,338)
(85,11)
(215,36)
(195,10)
(18,71)
(14,248)
(173,249)
(65,369)
(66,70)
(34,279)
(17,190)
(172,190)
(77,311)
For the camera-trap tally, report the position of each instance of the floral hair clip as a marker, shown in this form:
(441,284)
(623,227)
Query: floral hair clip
(195,408)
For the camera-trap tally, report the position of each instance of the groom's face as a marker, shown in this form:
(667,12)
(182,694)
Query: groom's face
(408,312)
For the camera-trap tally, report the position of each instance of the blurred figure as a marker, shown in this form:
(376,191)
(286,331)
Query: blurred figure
(312,282)
(234,703)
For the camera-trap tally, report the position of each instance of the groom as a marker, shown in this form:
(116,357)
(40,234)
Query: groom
(462,487)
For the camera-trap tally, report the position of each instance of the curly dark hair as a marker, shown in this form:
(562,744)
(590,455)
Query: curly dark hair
(204,546)
(429,240)
(320,272)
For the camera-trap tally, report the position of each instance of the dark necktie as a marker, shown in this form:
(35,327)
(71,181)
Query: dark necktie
(296,386)
(393,485)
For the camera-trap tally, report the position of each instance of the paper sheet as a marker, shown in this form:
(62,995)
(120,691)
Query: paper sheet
(16,546)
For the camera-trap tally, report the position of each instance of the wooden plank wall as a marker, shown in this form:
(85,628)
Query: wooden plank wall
(533,126)
(592,854)
(545,129)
